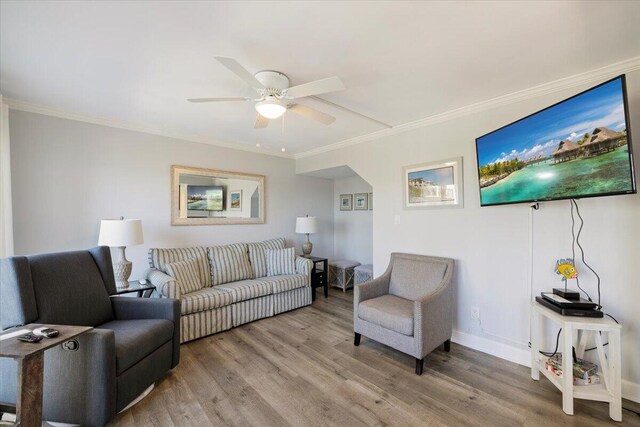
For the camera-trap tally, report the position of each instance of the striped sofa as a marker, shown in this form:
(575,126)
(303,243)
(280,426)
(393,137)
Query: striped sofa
(235,288)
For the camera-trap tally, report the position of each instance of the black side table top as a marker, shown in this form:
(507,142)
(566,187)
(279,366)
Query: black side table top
(135,286)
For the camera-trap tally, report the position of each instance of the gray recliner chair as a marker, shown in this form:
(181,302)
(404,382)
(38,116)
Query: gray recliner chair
(409,307)
(134,342)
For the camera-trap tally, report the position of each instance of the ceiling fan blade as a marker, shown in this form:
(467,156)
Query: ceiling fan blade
(330,84)
(261,122)
(240,71)
(236,98)
(312,113)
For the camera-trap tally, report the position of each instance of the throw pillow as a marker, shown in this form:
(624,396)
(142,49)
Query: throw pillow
(229,263)
(258,256)
(281,261)
(187,274)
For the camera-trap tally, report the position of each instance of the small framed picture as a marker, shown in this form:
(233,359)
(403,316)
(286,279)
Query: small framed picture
(370,201)
(435,184)
(235,200)
(360,201)
(346,202)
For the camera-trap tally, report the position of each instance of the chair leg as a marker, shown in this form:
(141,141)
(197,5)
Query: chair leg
(356,339)
(419,365)
(447,346)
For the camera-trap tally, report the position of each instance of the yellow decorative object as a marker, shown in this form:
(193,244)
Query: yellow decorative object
(566,268)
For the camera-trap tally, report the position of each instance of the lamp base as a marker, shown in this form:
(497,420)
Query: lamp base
(122,271)
(307,247)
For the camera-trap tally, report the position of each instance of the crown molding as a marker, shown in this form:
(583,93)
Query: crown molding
(15,104)
(599,74)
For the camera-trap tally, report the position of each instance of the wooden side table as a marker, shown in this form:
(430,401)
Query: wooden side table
(610,390)
(319,276)
(30,358)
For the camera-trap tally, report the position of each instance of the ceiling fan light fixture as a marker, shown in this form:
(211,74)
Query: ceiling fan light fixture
(271,108)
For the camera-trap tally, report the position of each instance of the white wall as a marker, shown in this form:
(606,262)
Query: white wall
(67,175)
(352,230)
(490,244)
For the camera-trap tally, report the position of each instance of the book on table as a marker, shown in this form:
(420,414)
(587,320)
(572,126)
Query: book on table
(584,372)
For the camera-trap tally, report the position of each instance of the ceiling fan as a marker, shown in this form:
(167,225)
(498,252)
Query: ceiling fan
(275,95)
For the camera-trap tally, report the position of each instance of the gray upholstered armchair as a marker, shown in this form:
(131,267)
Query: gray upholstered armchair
(409,307)
(134,342)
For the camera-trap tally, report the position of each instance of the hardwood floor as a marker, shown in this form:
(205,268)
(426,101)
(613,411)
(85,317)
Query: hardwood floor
(301,368)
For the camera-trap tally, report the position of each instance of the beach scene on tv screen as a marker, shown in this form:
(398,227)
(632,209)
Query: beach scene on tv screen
(577,148)
(204,198)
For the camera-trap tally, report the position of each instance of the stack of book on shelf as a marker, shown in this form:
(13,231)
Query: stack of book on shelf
(584,372)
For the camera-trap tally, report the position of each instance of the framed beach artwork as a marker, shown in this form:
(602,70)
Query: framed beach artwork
(235,200)
(370,201)
(346,202)
(360,201)
(436,184)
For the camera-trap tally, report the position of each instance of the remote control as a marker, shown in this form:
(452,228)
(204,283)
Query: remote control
(30,338)
(46,332)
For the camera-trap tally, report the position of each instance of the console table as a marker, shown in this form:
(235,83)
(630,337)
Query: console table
(610,389)
(30,358)
(319,276)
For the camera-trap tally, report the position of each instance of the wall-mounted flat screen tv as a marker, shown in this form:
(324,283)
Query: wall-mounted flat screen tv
(205,197)
(580,147)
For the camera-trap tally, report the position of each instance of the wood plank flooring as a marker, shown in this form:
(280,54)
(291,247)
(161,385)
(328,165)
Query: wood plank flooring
(301,368)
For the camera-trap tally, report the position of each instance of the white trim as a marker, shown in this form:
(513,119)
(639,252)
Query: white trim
(597,75)
(15,104)
(6,211)
(631,391)
(512,353)
(492,347)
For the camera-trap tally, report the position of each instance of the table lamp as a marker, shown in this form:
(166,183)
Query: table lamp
(118,234)
(306,225)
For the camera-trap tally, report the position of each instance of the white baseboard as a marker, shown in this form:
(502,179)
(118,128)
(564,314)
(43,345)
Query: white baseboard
(494,348)
(630,390)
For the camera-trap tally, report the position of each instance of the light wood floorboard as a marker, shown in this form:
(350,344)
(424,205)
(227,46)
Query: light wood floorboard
(301,368)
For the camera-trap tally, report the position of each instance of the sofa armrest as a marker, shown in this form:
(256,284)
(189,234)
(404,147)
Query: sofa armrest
(166,285)
(304,266)
(433,318)
(151,308)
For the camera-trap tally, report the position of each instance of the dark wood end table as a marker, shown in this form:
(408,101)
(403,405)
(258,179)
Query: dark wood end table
(144,291)
(319,276)
(30,358)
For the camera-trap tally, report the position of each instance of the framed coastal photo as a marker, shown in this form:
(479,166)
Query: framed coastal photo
(436,184)
(360,201)
(346,202)
(235,200)
(370,201)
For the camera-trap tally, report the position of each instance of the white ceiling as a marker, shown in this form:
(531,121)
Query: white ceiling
(137,62)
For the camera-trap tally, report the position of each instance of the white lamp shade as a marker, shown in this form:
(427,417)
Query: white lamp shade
(306,225)
(120,232)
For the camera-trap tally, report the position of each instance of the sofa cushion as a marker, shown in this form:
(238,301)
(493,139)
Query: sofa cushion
(229,263)
(187,274)
(205,299)
(281,261)
(288,282)
(412,279)
(258,255)
(247,289)
(159,258)
(136,339)
(390,312)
